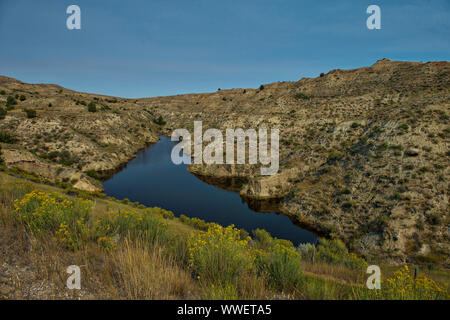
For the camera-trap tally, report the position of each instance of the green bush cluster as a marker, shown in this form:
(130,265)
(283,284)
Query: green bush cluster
(92,107)
(195,222)
(10,101)
(3,113)
(6,137)
(335,252)
(282,265)
(278,260)
(159,121)
(31,113)
(307,251)
(137,225)
(300,96)
(63,157)
(93,174)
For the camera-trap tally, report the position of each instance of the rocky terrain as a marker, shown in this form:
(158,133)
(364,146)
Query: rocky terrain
(63,140)
(364,153)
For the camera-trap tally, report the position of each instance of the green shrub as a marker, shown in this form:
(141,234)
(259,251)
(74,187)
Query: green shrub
(66,160)
(3,113)
(335,252)
(167,214)
(11,101)
(92,107)
(195,222)
(31,113)
(335,155)
(137,225)
(5,137)
(300,96)
(307,251)
(347,205)
(93,174)
(159,121)
(434,218)
(282,264)
(403,128)
(263,239)
(22,98)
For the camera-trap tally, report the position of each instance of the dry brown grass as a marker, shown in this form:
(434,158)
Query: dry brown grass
(149,273)
(35,268)
(336,272)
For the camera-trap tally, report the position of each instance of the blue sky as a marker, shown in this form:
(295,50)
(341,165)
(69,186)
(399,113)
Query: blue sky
(164,47)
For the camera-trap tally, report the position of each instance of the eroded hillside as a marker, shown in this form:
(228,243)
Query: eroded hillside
(364,153)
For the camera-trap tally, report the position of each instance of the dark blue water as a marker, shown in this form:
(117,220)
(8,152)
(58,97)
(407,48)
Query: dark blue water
(152,179)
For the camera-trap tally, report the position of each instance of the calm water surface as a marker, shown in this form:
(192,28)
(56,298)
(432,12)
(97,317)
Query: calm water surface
(152,179)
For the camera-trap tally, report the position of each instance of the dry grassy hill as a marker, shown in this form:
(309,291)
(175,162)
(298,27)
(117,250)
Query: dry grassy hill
(364,153)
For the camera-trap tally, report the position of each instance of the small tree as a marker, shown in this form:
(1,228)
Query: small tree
(22,98)
(10,101)
(159,121)
(261,87)
(2,113)
(30,113)
(5,137)
(92,107)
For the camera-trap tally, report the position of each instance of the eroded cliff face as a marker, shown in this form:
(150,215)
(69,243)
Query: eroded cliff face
(364,153)
(25,160)
(64,139)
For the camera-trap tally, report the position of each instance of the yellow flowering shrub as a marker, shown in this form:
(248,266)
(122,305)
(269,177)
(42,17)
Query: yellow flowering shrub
(166,214)
(195,222)
(135,224)
(403,286)
(107,243)
(219,255)
(65,218)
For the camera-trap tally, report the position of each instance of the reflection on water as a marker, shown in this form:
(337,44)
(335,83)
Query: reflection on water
(152,179)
